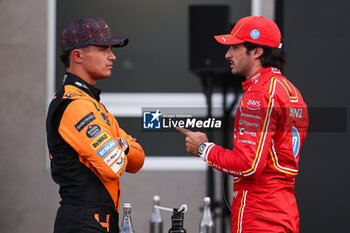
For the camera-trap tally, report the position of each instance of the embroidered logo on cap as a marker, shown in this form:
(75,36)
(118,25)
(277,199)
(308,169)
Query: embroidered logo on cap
(255,34)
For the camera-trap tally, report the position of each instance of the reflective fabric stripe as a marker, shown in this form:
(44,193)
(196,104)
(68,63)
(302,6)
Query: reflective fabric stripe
(274,157)
(241,211)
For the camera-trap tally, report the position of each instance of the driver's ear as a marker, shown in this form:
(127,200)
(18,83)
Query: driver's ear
(258,52)
(77,55)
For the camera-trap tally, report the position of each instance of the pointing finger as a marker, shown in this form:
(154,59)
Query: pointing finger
(183,130)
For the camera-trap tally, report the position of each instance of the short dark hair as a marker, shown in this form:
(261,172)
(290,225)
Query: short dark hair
(65,58)
(275,57)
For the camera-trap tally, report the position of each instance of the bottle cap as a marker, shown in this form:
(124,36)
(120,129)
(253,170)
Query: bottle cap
(127,205)
(156,198)
(207,199)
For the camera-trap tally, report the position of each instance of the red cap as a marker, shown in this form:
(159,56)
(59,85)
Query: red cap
(253,29)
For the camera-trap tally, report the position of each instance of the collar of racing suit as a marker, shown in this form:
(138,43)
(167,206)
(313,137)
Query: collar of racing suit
(72,79)
(258,75)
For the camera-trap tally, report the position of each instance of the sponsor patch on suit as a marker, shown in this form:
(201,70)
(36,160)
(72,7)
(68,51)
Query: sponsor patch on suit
(99,141)
(85,121)
(110,145)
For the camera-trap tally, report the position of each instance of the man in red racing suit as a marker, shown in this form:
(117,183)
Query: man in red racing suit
(88,150)
(269,128)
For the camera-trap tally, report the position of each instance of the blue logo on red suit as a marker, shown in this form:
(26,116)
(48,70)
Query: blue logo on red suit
(296,141)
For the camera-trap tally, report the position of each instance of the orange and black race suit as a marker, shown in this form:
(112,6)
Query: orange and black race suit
(269,129)
(86,158)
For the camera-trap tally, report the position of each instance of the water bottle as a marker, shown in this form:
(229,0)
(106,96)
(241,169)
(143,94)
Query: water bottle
(177,222)
(207,224)
(127,223)
(156,222)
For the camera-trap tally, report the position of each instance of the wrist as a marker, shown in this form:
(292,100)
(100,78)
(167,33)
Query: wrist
(124,145)
(204,149)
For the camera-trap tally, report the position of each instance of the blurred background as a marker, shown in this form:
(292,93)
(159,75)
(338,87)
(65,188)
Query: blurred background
(172,61)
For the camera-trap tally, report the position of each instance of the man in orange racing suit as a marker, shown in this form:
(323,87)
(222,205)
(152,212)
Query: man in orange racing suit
(88,149)
(269,128)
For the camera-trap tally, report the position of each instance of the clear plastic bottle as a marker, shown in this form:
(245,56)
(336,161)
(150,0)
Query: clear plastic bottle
(156,222)
(207,224)
(127,223)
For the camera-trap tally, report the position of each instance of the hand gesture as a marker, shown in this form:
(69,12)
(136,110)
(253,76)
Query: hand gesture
(193,140)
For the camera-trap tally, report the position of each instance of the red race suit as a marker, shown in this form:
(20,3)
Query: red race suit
(269,129)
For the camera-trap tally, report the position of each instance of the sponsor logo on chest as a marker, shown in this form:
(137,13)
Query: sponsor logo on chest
(253,104)
(85,121)
(110,145)
(99,141)
(93,131)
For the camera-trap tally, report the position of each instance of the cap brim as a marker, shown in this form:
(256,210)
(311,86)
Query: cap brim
(120,42)
(228,39)
(114,42)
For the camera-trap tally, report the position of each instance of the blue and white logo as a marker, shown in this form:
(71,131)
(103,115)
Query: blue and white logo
(255,34)
(295,141)
(106,148)
(93,131)
(151,120)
